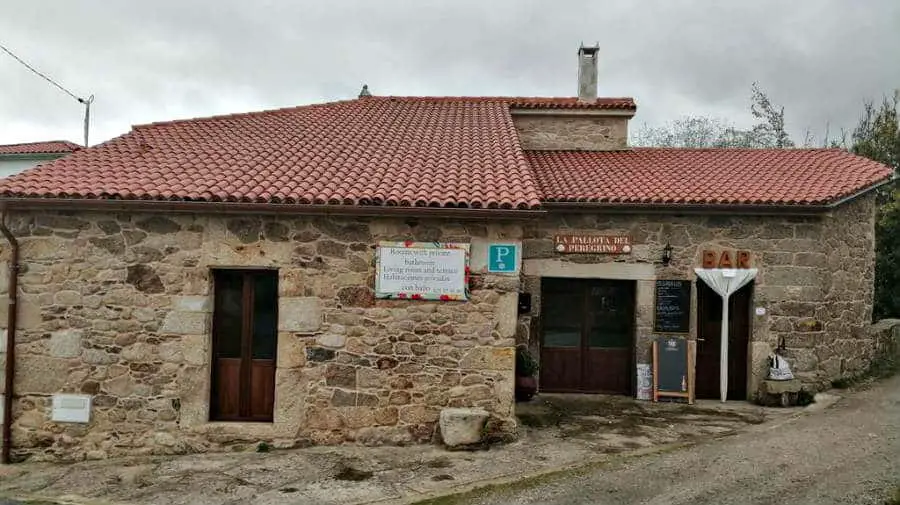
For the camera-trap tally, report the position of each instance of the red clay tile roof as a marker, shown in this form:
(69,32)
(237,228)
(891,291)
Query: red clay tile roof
(448,152)
(704,176)
(424,151)
(532,102)
(48,147)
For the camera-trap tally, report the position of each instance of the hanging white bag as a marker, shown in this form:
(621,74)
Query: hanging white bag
(779,370)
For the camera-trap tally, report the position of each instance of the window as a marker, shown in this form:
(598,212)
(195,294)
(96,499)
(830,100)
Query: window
(245,335)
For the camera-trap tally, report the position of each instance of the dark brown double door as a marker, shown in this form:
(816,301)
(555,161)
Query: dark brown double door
(709,327)
(245,326)
(587,335)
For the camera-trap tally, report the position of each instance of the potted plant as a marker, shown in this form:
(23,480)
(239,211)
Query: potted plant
(526,370)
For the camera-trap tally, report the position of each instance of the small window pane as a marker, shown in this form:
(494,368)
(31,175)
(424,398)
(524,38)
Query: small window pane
(265,315)
(602,337)
(611,325)
(562,337)
(228,313)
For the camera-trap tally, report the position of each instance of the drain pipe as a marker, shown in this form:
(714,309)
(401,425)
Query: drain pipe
(9,374)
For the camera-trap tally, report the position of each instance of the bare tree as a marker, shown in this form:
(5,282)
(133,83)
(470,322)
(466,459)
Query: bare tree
(705,131)
(770,132)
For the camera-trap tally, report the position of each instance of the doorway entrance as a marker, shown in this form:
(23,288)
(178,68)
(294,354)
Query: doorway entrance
(587,335)
(245,324)
(709,327)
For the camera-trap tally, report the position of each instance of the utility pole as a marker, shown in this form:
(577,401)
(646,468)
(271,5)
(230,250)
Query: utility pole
(84,101)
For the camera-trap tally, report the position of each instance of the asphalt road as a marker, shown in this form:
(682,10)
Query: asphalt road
(848,454)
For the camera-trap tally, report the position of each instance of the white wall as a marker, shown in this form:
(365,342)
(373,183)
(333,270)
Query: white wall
(11,166)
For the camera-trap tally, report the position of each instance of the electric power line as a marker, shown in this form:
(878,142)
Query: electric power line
(29,67)
(85,101)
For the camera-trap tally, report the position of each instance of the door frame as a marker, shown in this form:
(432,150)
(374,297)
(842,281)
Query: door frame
(584,347)
(750,287)
(245,374)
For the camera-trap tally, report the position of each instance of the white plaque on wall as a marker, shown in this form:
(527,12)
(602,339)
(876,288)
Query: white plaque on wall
(422,271)
(71,409)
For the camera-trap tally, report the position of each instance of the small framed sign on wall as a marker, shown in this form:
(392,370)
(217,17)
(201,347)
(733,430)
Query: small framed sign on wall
(422,271)
(672,306)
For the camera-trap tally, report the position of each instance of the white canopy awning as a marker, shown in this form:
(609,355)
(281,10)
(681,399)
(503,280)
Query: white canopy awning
(725,282)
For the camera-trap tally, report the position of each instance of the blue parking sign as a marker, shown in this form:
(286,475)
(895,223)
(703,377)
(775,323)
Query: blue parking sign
(503,258)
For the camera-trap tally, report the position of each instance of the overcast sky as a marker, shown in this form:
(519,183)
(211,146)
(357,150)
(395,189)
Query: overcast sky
(166,59)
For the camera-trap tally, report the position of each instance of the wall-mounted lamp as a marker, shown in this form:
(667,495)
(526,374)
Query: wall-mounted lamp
(667,254)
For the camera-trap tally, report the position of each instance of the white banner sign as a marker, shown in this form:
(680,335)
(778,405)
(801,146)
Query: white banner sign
(422,270)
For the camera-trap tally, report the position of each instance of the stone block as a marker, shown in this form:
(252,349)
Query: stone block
(488,358)
(507,314)
(332,340)
(193,303)
(29,317)
(98,357)
(170,351)
(67,297)
(291,351)
(301,315)
(778,387)
(418,414)
(185,323)
(340,375)
(460,427)
(40,374)
(65,343)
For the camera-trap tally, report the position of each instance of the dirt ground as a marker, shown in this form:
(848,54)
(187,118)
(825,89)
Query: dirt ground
(613,424)
(847,454)
(557,432)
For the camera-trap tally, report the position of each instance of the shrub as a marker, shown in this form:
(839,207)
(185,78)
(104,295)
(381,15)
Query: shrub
(526,365)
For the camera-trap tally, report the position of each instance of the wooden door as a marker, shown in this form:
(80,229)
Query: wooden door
(245,319)
(709,317)
(609,337)
(587,335)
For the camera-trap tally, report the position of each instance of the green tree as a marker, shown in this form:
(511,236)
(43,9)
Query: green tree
(877,136)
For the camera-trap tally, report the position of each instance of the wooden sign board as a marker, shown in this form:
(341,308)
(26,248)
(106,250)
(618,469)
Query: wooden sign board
(593,244)
(673,306)
(726,259)
(673,368)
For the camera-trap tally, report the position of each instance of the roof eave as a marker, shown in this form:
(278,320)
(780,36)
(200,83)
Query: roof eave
(13,203)
(571,112)
(797,209)
(840,201)
(669,208)
(33,156)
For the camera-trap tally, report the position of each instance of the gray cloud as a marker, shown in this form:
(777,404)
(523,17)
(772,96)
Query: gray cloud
(169,59)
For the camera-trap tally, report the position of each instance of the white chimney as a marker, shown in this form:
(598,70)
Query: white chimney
(587,73)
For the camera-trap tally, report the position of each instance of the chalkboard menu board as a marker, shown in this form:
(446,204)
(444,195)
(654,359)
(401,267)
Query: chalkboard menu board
(673,306)
(673,368)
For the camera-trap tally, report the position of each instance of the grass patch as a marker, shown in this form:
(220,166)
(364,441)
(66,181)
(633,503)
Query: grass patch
(346,472)
(440,462)
(880,368)
(894,499)
(805,398)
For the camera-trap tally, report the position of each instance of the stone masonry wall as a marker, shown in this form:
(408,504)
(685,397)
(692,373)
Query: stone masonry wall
(119,307)
(815,278)
(562,132)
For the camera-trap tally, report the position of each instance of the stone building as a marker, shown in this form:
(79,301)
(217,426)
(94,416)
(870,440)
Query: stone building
(15,158)
(341,272)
